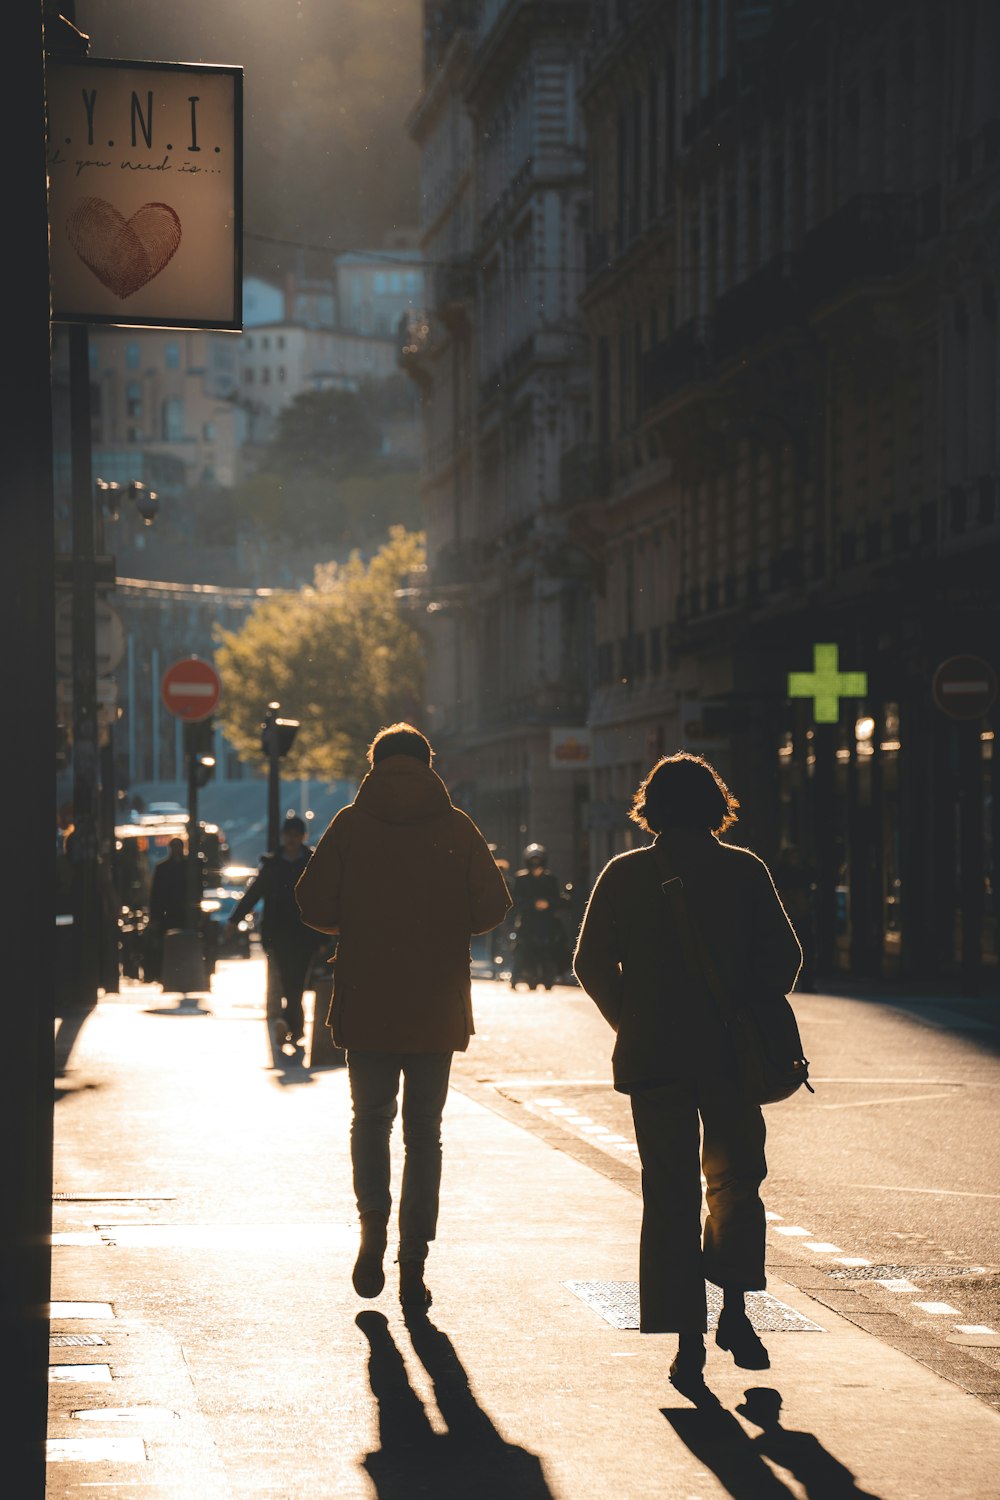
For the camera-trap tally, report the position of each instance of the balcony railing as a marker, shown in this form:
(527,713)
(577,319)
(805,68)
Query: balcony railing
(682,359)
(872,235)
(765,303)
(584,474)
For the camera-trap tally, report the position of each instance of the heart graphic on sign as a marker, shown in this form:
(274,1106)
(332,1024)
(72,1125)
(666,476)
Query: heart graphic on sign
(123,253)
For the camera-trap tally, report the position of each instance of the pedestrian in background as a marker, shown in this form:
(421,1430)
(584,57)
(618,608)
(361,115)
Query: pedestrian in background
(287,941)
(168,898)
(672,1056)
(405,878)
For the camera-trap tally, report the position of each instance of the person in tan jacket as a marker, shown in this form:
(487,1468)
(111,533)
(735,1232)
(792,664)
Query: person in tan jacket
(404,878)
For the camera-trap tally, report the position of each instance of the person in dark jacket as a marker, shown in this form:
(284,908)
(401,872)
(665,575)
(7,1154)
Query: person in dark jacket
(168,897)
(671,1054)
(287,941)
(405,878)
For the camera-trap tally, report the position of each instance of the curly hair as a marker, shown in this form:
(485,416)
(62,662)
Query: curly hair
(683,791)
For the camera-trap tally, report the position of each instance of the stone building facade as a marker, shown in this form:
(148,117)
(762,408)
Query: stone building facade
(791,301)
(501,361)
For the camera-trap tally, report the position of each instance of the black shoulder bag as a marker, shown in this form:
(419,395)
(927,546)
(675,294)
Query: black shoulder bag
(763,1035)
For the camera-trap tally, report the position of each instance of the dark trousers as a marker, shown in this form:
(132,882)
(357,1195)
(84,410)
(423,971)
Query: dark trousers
(287,970)
(374,1091)
(675,1257)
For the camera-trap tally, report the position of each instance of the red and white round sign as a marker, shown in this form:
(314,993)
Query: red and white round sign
(965,687)
(191,689)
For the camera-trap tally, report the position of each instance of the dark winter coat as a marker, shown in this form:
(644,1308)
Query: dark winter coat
(168,893)
(274,884)
(405,878)
(630,961)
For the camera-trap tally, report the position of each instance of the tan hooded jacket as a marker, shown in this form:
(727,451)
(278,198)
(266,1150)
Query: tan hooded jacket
(404,878)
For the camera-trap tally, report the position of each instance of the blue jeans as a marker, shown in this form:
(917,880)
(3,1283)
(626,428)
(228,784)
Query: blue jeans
(374,1090)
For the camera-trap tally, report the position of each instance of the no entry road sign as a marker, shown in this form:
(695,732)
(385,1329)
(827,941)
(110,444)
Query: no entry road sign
(965,687)
(191,689)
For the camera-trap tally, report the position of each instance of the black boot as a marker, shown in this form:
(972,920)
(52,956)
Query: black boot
(736,1333)
(369,1277)
(414,1294)
(687,1365)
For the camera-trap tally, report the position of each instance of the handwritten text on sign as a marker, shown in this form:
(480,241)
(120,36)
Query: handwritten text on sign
(144,163)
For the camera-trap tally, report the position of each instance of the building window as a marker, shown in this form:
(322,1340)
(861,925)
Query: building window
(132,356)
(265,342)
(281,341)
(265,376)
(208,432)
(281,374)
(133,399)
(172,356)
(173,420)
(248,376)
(93,355)
(249,340)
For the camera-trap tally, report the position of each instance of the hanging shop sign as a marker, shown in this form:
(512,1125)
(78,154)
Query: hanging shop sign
(826,684)
(145,193)
(965,687)
(569,749)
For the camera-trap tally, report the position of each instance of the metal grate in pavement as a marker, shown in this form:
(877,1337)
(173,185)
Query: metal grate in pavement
(75,1340)
(908,1273)
(618,1304)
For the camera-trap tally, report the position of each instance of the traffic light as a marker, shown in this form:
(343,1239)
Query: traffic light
(277,736)
(199,745)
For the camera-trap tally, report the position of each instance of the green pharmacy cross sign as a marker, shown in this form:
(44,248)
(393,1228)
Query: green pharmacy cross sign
(826,684)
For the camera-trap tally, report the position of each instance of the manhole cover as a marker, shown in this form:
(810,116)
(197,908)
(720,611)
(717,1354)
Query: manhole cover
(904,1273)
(618,1304)
(75,1340)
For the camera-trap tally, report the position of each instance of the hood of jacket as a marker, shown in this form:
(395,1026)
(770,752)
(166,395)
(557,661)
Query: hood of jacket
(401,790)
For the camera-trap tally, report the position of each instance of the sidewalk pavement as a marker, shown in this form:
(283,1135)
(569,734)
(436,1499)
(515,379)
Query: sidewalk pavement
(208,1345)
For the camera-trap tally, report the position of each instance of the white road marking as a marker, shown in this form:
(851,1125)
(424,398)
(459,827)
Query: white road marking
(822,1247)
(96,1310)
(889,1187)
(96,1450)
(975,1328)
(938,1309)
(853,1260)
(770,1215)
(896,1284)
(905,1099)
(793,1229)
(97,1374)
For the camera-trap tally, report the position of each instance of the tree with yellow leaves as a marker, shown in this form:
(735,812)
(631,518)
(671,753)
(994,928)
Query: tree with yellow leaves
(340,656)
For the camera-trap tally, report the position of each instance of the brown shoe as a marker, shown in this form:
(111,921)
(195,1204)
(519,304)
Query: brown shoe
(414,1294)
(368,1276)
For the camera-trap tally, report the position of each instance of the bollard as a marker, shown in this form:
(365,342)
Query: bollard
(183,971)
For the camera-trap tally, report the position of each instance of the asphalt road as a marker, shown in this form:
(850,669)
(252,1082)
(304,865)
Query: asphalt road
(895,1161)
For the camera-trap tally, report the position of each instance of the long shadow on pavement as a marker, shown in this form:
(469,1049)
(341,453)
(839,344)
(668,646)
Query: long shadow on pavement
(737,1460)
(471,1458)
(974,1018)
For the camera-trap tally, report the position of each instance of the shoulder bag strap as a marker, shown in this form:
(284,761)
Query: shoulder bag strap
(697,960)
